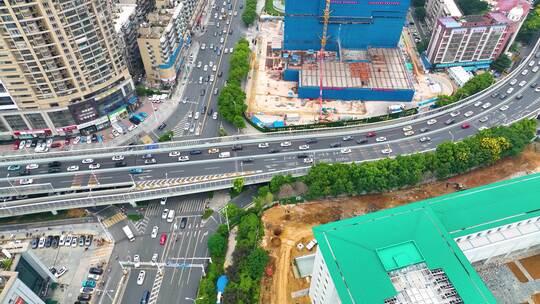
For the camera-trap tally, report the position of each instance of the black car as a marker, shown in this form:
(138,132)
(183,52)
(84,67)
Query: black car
(54,242)
(203,91)
(519,96)
(84,297)
(120,164)
(311,141)
(220,74)
(88,289)
(273,151)
(494,95)
(362,141)
(145,297)
(55,164)
(211,111)
(247,161)
(162,126)
(24,172)
(195,152)
(503,96)
(302,155)
(449,121)
(237,147)
(534,85)
(48,241)
(335,145)
(183,223)
(147,156)
(34,243)
(95,270)
(424,130)
(33,144)
(204,108)
(54,170)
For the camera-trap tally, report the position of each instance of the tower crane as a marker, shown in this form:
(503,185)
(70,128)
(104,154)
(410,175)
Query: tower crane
(326,17)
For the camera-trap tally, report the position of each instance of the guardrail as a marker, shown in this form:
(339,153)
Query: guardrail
(260,137)
(56,203)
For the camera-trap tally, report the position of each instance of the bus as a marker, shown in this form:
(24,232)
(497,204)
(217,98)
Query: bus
(128,233)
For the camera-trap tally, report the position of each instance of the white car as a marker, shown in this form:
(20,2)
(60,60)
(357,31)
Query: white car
(60,272)
(510,90)
(525,72)
(504,108)
(380,139)
(214,68)
(345,151)
(199,64)
(118,157)
(67,243)
(94,277)
(424,139)
(211,64)
(455,113)
(186,126)
(486,105)
(184,158)
(62,240)
(73,168)
(140,277)
(154,258)
(74,241)
(41,242)
(263,145)
(308,160)
(386,151)
(482,128)
(513,81)
(132,127)
(87,161)
(203,46)
(483,119)
(477,104)
(285,144)
(76,140)
(431,121)
(32,166)
(164,213)
(303,147)
(535,69)
(409,133)
(205,68)
(26,181)
(174,153)
(522,83)
(154,232)
(136,261)
(94,166)
(468,113)
(537,89)
(214,116)
(407,128)
(531,63)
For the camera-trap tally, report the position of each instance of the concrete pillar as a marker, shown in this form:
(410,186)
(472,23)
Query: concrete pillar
(54,212)
(133,204)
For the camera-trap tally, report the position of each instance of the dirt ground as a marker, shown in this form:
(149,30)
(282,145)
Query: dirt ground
(285,226)
(517,272)
(532,264)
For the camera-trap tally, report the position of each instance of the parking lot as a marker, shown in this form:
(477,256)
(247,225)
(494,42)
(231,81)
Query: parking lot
(76,258)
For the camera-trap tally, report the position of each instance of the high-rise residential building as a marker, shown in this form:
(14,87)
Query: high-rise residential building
(423,252)
(515,11)
(436,9)
(352,24)
(62,65)
(163,39)
(473,41)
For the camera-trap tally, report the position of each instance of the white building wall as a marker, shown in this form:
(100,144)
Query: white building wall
(322,289)
(501,240)
(20,291)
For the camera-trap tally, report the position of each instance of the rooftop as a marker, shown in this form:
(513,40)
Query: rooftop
(123,11)
(422,232)
(452,8)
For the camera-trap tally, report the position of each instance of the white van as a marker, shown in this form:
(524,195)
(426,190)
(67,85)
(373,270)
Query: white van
(170,216)
(200,80)
(224,154)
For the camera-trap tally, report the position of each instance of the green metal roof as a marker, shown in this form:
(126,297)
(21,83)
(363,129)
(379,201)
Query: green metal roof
(360,251)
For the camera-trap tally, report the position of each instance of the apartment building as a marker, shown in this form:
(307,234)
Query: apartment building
(423,252)
(473,41)
(436,9)
(62,65)
(129,15)
(163,39)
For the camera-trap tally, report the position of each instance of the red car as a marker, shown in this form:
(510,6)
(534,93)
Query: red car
(371,134)
(56,145)
(67,141)
(163,239)
(465,125)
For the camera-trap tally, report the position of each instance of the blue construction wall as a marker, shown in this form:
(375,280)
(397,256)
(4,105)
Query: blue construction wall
(364,94)
(356,23)
(291,75)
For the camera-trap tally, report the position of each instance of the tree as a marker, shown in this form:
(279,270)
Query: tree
(473,7)
(501,64)
(238,184)
(217,245)
(422,46)
(530,26)
(256,262)
(418,3)
(443,100)
(420,13)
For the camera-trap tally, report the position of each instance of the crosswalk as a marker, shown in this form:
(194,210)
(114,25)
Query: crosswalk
(142,224)
(160,183)
(178,130)
(183,207)
(101,254)
(77,181)
(155,288)
(118,217)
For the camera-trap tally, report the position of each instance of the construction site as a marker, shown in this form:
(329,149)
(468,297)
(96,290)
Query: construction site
(302,87)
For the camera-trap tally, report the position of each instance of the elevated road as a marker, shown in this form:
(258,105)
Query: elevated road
(207,171)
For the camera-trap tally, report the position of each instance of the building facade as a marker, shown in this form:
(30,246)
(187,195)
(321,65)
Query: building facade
(61,64)
(164,38)
(14,291)
(379,23)
(473,41)
(422,252)
(436,9)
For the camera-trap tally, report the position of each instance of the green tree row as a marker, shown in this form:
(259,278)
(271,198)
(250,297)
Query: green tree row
(471,87)
(531,26)
(250,12)
(473,7)
(450,158)
(231,99)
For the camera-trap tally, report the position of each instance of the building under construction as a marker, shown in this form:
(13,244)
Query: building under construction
(361,61)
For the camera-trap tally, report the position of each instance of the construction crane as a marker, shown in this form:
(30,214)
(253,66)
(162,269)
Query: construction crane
(326,17)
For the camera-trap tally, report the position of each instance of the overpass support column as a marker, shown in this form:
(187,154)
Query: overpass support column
(133,204)
(54,212)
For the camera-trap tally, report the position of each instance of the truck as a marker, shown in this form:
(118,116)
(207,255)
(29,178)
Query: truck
(128,233)
(396,108)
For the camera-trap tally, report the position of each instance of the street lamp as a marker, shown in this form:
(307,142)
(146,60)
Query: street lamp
(188,298)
